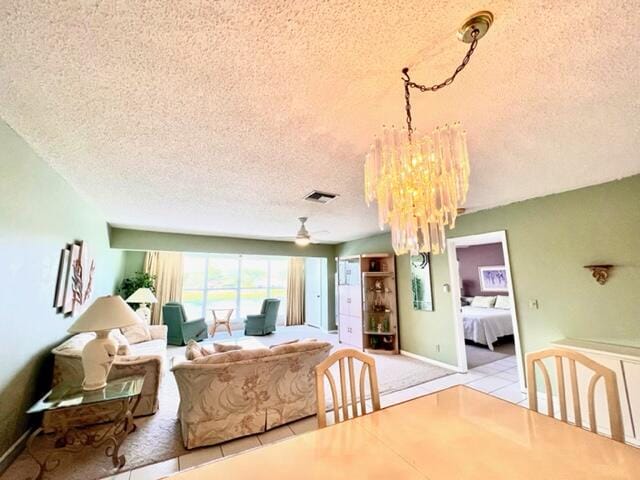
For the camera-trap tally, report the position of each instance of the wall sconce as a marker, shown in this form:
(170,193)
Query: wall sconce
(600,272)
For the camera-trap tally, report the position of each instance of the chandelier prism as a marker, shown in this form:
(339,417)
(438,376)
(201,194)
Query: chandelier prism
(421,182)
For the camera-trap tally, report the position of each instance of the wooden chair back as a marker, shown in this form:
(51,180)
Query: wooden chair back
(347,388)
(599,371)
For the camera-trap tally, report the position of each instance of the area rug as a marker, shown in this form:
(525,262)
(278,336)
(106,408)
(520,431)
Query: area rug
(157,437)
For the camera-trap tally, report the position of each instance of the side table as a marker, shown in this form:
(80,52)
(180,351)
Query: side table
(71,438)
(224,319)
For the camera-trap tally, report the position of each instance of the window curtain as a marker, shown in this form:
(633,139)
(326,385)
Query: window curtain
(295,291)
(167,268)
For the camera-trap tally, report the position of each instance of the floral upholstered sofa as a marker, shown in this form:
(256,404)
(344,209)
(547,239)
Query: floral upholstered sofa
(236,393)
(137,354)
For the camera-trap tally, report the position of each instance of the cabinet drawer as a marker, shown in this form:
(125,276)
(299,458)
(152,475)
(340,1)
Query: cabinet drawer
(350,331)
(355,301)
(349,301)
(343,300)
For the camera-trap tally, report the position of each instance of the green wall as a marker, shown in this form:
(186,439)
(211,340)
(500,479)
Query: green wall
(133,262)
(135,242)
(550,239)
(39,214)
(129,239)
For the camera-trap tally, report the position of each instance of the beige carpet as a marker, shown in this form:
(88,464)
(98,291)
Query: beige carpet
(158,436)
(478,355)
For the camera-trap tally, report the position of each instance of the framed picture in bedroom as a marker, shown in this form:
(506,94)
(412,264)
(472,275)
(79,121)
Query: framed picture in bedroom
(493,279)
(421,282)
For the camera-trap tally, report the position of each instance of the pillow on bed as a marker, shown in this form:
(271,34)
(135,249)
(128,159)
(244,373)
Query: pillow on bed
(483,302)
(502,302)
(466,301)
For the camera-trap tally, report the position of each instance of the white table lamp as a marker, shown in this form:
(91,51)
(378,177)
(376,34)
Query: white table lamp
(143,296)
(104,315)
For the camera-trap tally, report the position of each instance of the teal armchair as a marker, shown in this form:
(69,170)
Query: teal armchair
(264,323)
(180,329)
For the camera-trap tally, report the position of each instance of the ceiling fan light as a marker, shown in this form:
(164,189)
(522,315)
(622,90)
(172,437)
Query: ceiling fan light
(302,241)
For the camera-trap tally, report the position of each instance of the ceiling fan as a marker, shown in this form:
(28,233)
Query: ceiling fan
(303,237)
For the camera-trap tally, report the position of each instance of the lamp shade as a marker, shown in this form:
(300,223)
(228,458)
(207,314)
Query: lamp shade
(106,313)
(142,295)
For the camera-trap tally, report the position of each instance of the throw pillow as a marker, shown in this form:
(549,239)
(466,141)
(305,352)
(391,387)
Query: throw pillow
(225,347)
(207,351)
(502,302)
(234,356)
(74,345)
(121,340)
(193,350)
(483,302)
(137,333)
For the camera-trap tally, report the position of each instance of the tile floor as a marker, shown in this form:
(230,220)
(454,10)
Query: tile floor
(499,379)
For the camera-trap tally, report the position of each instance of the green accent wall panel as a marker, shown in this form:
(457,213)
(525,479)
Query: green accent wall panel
(131,239)
(550,239)
(39,214)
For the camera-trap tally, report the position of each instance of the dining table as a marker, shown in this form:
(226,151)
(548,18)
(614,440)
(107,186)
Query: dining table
(457,433)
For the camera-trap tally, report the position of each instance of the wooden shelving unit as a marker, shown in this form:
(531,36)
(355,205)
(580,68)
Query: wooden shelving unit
(367,303)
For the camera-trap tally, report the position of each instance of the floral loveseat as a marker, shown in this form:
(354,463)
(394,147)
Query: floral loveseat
(242,392)
(144,357)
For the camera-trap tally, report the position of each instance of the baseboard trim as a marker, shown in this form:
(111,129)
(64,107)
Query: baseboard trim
(13,451)
(430,361)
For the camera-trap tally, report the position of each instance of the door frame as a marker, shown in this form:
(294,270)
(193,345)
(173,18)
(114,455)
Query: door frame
(454,273)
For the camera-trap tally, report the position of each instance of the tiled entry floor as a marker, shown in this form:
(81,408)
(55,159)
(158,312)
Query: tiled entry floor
(499,379)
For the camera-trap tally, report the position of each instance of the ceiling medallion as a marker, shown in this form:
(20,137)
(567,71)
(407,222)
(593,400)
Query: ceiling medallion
(420,182)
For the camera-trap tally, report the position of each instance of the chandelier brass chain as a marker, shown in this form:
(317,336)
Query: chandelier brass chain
(408,84)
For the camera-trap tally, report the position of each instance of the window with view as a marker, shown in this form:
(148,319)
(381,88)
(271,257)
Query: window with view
(240,282)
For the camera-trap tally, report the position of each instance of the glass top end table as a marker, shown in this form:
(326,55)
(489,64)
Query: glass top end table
(65,395)
(124,392)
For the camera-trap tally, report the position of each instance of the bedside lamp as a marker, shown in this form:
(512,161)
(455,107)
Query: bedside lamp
(105,314)
(143,296)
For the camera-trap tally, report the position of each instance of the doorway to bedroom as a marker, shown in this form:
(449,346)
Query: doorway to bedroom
(482,295)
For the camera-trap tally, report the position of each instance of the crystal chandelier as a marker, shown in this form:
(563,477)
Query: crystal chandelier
(420,182)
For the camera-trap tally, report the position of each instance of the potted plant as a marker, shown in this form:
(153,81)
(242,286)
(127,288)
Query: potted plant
(138,280)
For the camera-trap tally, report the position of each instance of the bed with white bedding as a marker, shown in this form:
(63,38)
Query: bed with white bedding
(485,325)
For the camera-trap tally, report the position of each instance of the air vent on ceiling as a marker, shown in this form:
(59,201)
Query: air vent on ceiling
(320,197)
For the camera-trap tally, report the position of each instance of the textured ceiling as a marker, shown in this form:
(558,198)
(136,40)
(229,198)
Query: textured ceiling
(218,117)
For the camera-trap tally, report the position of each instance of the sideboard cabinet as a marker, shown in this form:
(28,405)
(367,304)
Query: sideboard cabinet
(624,360)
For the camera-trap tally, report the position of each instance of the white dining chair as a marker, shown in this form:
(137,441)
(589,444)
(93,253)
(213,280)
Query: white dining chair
(599,372)
(368,365)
